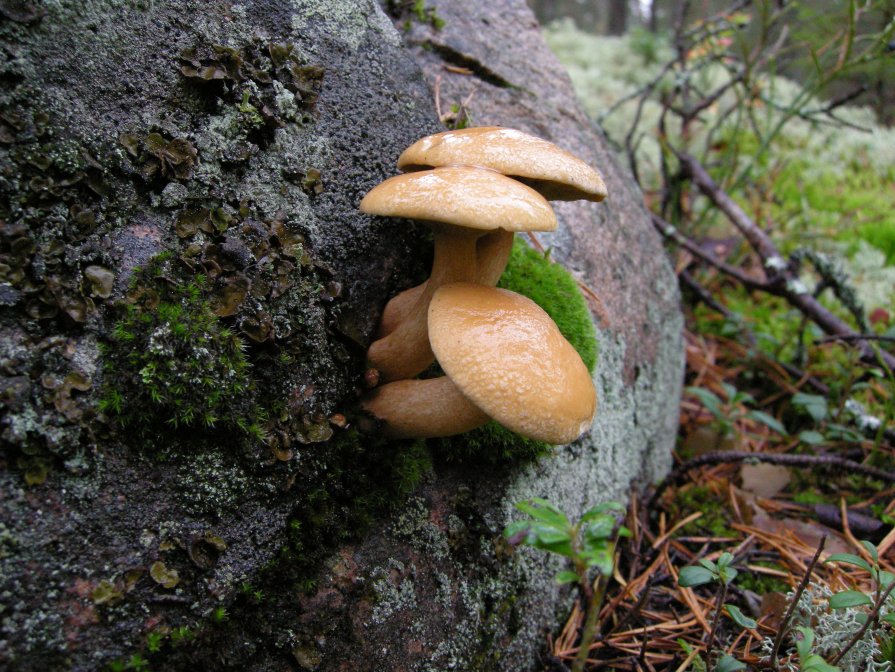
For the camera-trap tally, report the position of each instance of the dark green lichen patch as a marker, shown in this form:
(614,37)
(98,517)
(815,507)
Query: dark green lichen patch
(268,83)
(212,337)
(159,156)
(340,493)
(51,191)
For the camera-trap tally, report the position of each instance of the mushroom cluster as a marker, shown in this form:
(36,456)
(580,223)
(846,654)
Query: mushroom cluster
(503,356)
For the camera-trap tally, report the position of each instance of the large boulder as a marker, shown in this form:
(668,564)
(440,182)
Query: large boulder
(188,290)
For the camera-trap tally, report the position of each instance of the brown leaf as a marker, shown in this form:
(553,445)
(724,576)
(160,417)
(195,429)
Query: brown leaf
(773,608)
(808,533)
(765,480)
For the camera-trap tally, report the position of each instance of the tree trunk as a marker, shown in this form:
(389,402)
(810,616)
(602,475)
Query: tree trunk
(618,17)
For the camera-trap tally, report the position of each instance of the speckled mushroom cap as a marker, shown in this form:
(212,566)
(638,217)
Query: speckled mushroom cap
(509,358)
(469,197)
(552,171)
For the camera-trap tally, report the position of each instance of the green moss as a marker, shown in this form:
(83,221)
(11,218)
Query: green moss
(809,498)
(554,289)
(714,520)
(882,236)
(361,477)
(415,11)
(172,358)
(763,583)
(427,15)
(490,444)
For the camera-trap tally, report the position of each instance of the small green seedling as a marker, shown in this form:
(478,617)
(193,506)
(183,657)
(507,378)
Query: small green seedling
(721,572)
(727,413)
(589,545)
(708,571)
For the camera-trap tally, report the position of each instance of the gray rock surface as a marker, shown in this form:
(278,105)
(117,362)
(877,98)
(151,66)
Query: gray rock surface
(119,121)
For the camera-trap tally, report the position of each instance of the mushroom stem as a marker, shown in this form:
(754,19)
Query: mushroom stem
(405,352)
(492,254)
(422,409)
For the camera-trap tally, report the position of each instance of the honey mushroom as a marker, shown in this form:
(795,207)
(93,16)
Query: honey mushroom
(504,358)
(551,171)
(461,204)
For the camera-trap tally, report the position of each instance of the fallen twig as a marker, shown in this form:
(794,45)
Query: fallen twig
(734,456)
(784,624)
(781,280)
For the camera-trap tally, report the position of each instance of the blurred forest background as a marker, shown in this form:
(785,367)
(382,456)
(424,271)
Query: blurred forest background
(813,21)
(761,135)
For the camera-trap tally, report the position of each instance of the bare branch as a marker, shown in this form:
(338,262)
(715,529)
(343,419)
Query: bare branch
(782,281)
(784,624)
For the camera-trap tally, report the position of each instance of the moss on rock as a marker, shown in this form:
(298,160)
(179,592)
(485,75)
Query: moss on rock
(171,360)
(553,288)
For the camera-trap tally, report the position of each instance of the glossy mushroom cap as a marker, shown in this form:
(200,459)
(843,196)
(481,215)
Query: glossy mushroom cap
(463,196)
(461,204)
(506,355)
(552,171)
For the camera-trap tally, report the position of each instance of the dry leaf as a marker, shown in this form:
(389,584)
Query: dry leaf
(764,480)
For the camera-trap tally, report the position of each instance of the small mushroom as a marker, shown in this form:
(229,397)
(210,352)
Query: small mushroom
(553,172)
(557,174)
(461,204)
(504,358)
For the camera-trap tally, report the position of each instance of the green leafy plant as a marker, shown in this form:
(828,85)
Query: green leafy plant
(727,412)
(878,600)
(721,572)
(589,546)
(809,661)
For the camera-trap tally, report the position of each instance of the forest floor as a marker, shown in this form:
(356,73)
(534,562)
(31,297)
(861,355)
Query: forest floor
(771,517)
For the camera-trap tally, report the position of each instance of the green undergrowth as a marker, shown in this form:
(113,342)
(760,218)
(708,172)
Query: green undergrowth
(821,185)
(761,583)
(552,287)
(714,520)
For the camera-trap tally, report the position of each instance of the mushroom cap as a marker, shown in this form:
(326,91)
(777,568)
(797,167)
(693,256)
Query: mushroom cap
(509,358)
(473,198)
(552,171)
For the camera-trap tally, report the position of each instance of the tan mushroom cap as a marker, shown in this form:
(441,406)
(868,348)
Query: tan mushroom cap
(464,196)
(552,171)
(509,358)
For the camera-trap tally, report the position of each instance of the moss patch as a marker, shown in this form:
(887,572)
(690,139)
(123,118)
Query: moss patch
(173,357)
(553,288)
